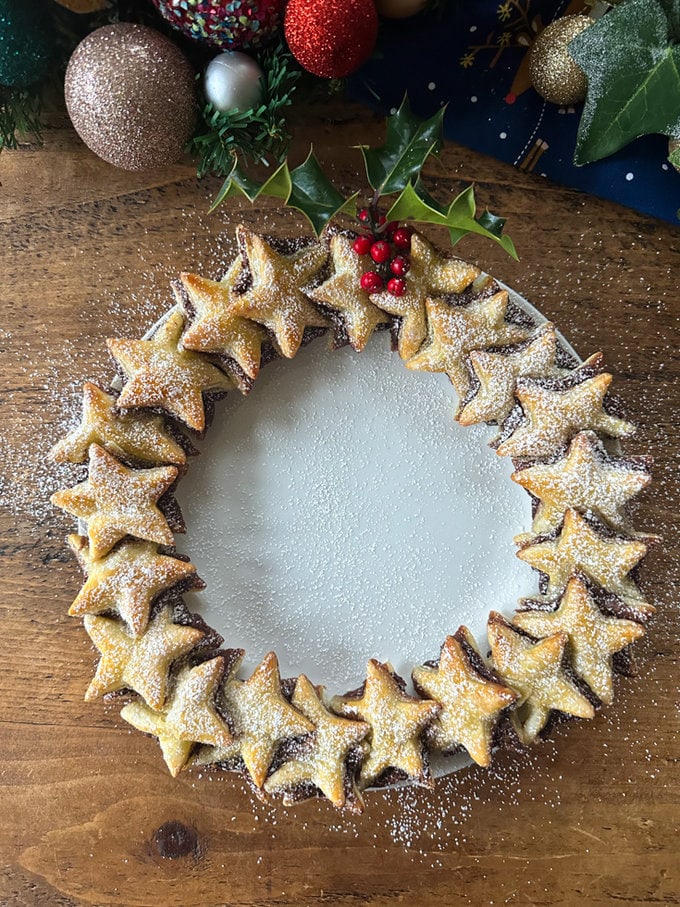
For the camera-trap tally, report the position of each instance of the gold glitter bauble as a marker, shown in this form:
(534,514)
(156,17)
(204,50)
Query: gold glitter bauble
(673,145)
(130,96)
(554,75)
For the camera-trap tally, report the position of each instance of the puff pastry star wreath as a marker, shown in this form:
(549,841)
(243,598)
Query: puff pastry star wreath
(291,738)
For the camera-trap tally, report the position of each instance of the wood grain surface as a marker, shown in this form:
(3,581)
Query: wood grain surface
(88,812)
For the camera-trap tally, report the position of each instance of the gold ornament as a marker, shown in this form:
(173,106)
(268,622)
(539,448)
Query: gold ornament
(399,9)
(673,145)
(554,75)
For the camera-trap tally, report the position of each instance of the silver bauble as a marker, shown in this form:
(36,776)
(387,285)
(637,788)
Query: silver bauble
(232,82)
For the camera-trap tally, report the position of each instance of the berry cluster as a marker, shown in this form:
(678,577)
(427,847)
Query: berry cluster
(388,244)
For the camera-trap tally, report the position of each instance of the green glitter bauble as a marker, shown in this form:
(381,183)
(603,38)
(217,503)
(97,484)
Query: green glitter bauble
(25,43)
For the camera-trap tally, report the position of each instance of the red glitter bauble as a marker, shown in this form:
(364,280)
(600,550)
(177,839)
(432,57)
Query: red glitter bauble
(331,38)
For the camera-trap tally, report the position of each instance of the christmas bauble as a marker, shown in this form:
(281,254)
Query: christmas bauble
(399,9)
(130,95)
(554,75)
(25,43)
(233,24)
(331,38)
(673,145)
(232,81)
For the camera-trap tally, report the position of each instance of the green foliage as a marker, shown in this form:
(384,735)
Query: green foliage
(257,133)
(633,67)
(674,158)
(19,113)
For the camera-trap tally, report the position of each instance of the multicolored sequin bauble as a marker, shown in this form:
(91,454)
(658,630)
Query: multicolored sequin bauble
(238,23)
(25,43)
(331,38)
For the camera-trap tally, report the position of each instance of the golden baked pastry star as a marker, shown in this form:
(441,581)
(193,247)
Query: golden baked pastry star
(397,722)
(141,438)
(160,374)
(536,672)
(139,663)
(323,763)
(585,478)
(343,293)
(430,274)
(117,501)
(261,717)
(275,297)
(497,374)
(190,716)
(215,328)
(579,547)
(126,580)
(457,330)
(553,417)
(471,702)
(593,637)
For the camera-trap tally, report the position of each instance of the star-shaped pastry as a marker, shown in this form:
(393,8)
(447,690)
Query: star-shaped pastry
(457,330)
(324,763)
(261,719)
(190,716)
(214,327)
(141,438)
(127,580)
(585,478)
(430,274)
(552,417)
(343,293)
(579,547)
(159,374)
(471,702)
(593,637)
(139,663)
(535,670)
(398,722)
(275,297)
(117,501)
(497,374)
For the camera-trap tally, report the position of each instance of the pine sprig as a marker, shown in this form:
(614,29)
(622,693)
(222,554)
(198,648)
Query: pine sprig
(19,113)
(258,133)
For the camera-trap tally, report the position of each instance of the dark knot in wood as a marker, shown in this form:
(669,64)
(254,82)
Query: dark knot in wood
(173,840)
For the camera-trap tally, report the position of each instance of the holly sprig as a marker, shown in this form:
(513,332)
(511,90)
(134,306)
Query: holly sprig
(392,169)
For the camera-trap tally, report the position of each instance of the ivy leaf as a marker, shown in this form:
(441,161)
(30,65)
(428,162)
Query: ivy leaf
(633,71)
(414,203)
(409,142)
(306,188)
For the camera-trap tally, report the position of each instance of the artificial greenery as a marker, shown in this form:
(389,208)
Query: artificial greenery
(257,133)
(394,168)
(19,113)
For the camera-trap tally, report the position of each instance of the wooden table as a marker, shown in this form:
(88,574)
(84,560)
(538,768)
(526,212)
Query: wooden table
(590,816)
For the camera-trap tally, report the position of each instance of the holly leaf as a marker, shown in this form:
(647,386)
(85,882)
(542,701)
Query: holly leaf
(306,188)
(633,71)
(409,142)
(414,203)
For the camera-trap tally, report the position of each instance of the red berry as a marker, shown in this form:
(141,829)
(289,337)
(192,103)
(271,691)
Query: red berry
(396,286)
(363,215)
(380,251)
(400,265)
(391,227)
(362,245)
(402,238)
(371,281)
(381,219)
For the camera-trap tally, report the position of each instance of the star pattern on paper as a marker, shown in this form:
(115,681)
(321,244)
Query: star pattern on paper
(457,330)
(190,716)
(323,764)
(127,580)
(470,702)
(593,636)
(117,501)
(214,327)
(587,479)
(536,671)
(275,297)
(430,274)
(140,663)
(343,293)
(261,718)
(579,547)
(397,722)
(497,374)
(552,417)
(160,374)
(140,439)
